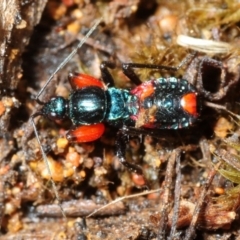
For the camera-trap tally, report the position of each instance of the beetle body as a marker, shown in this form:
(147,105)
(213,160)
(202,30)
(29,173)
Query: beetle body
(164,103)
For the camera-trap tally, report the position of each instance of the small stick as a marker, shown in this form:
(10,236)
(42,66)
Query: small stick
(123,198)
(190,233)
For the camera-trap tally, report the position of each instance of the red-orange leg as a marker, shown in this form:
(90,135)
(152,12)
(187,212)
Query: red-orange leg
(80,80)
(86,133)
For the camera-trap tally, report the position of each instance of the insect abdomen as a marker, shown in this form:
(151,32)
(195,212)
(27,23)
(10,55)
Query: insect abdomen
(166,103)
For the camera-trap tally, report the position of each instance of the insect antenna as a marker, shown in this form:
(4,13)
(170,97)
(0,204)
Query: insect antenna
(66,60)
(40,113)
(45,159)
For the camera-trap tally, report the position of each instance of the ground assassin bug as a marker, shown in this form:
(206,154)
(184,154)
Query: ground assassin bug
(163,103)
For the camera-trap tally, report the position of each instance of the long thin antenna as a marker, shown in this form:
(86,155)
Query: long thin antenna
(45,159)
(66,60)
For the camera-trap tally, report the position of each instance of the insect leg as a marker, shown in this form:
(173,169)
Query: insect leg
(106,75)
(122,138)
(220,82)
(128,68)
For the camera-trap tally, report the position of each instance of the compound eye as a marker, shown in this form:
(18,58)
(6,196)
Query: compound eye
(56,116)
(52,116)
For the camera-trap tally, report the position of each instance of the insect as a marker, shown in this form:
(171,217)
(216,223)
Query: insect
(163,103)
